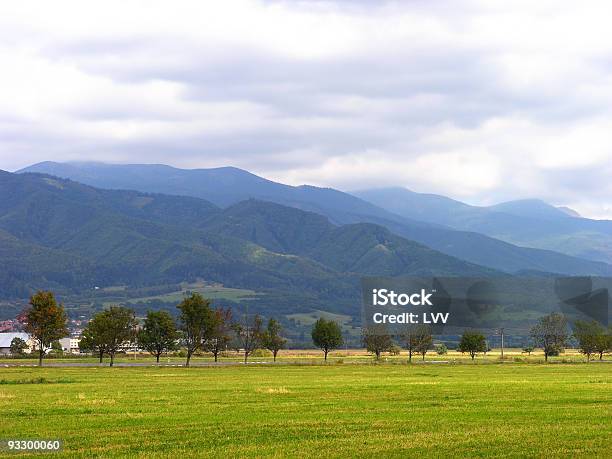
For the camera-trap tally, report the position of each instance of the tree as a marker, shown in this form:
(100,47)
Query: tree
(472,342)
(376,343)
(220,332)
(93,338)
(418,340)
(592,338)
(18,346)
(425,342)
(45,321)
(607,343)
(326,335)
(528,350)
(395,350)
(56,347)
(111,330)
(271,338)
(158,334)
(249,334)
(196,319)
(441,349)
(122,330)
(550,333)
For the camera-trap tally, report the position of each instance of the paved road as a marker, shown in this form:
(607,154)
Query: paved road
(139,364)
(192,364)
(223,364)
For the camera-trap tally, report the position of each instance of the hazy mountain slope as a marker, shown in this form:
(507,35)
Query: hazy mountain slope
(530,223)
(362,248)
(258,222)
(530,208)
(25,266)
(226,185)
(124,237)
(85,222)
(222,186)
(273,226)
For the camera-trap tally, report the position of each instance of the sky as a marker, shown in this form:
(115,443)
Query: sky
(482,101)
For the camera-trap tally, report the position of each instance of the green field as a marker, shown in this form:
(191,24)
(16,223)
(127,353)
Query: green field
(507,410)
(209,291)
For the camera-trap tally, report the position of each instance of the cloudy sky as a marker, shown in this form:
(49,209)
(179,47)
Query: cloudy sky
(483,101)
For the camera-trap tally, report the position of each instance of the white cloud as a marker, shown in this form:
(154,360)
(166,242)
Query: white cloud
(480,100)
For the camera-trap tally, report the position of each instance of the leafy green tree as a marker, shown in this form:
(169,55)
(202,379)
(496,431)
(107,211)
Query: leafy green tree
(220,333)
(592,338)
(271,338)
(441,349)
(93,338)
(418,339)
(376,343)
(425,343)
(472,342)
(18,346)
(528,350)
(110,331)
(249,334)
(122,330)
(550,333)
(196,319)
(326,335)
(45,321)
(395,349)
(158,334)
(56,347)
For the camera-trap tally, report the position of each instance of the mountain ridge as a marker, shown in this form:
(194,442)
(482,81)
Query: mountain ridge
(343,208)
(137,239)
(528,223)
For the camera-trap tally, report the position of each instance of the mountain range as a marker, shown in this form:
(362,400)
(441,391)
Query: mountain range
(530,223)
(60,234)
(75,228)
(481,236)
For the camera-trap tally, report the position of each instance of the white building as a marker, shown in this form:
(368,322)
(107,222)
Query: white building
(7,338)
(70,345)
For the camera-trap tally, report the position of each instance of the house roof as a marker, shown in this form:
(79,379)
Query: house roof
(6,338)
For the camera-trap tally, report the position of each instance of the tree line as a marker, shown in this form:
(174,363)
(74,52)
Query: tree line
(200,327)
(550,334)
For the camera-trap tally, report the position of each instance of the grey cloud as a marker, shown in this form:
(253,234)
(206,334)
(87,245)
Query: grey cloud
(390,101)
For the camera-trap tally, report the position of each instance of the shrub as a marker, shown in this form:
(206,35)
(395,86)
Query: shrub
(261,353)
(441,349)
(395,350)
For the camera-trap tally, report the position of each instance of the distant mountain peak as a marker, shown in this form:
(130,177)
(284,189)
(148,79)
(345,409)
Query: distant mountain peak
(534,208)
(569,211)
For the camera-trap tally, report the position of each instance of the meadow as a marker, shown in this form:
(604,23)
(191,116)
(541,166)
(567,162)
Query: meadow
(333,410)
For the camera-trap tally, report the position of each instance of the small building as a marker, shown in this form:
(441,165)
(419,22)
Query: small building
(70,345)
(7,338)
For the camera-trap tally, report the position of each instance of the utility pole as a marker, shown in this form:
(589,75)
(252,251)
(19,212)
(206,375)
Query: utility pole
(501,332)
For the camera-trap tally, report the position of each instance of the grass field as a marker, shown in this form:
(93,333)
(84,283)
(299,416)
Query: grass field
(511,410)
(209,291)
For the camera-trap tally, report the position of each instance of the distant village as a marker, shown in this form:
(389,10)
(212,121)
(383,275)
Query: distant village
(13,328)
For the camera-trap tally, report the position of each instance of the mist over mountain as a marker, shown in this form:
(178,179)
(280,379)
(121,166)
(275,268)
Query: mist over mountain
(529,222)
(443,224)
(221,186)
